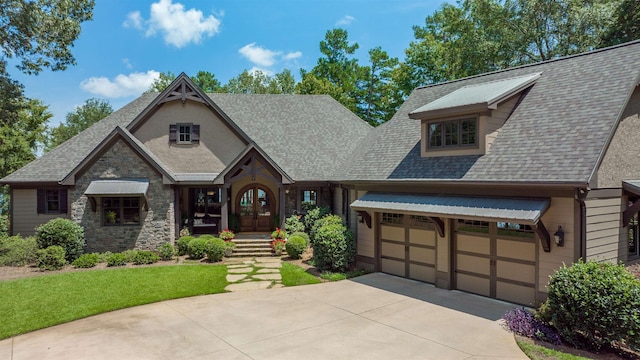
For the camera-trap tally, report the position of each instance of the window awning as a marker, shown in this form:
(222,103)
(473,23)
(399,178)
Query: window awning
(526,211)
(118,187)
(471,98)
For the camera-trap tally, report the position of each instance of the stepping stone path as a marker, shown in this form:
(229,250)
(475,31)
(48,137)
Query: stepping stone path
(254,274)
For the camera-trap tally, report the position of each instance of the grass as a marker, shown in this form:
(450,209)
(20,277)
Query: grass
(337,276)
(538,352)
(34,303)
(293,275)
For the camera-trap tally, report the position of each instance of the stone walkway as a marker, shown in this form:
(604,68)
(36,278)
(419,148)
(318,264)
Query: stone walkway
(253,274)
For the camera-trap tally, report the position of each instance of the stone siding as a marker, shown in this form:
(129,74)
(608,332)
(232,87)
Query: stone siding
(157,224)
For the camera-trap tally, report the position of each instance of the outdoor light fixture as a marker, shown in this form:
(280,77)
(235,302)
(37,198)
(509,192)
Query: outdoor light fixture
(558,236)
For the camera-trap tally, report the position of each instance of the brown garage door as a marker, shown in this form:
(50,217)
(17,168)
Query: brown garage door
(408,246)
(496,260)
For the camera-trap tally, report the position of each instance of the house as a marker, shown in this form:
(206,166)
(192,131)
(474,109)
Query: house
(485,184)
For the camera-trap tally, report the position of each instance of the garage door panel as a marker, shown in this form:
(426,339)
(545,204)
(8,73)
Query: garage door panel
(392,250)
(422,237)
(473,284)
(474,244)
(473,264)
(422,273)
(515,271)
(393,267)
(516,249)
(422,255)
(515,293)
(392,233)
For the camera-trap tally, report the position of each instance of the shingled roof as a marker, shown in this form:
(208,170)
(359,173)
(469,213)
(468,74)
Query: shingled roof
(306,135)
(557,133)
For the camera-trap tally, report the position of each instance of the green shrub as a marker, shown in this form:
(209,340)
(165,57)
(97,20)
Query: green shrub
(215,249)
(314,214)
(183,244)
(279,234)
(293,224)
(334,248)
(594,304)
(166,251)
(62,232)
(295,246)
(51,258)
(102,257)
(116,259)
(86,261)
(326,220)
(197,247)
(4,226)
(16,251)
(143,257)
(303,235)
(129,255)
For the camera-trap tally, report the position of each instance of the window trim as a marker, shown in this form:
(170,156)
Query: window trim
(188,127)
(174,133)
(121,209)
(443,134)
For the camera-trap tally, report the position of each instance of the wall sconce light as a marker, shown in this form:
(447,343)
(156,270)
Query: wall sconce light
(558,236)
(360,219)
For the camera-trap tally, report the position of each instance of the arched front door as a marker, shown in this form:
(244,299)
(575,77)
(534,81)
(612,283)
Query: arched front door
(255,205)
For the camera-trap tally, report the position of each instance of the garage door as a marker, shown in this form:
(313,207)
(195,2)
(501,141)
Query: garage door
(496,260)
(408,246)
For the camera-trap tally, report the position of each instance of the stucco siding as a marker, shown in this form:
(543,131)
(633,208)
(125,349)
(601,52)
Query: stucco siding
(25,212)
(603,229)
(218,144)
(620,161)
(560,213)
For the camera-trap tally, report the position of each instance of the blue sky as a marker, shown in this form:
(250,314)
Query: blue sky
(128,43)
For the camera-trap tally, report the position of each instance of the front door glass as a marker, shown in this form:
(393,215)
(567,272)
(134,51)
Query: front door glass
(247,203)
(263,207)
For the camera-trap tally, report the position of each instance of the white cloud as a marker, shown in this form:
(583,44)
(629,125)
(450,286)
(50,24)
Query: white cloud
(127,63)
(179,27)
(255,69)
(133,84)
(347,20)
(259,55)
(292,55)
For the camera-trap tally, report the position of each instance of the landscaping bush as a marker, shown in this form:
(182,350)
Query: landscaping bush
(334,248)
(295,246)
(166,251)
(183,244)
(215,248)
(293,224)
(313,214)
(143,257)
(116,259)
(279,234)
(129,255)
(4,226)
(64,233)
(102,257)
(594,304)
(86,261)
(197,247)
(523,322)
(304,235)
(51,258)
(16,251)
(326,220)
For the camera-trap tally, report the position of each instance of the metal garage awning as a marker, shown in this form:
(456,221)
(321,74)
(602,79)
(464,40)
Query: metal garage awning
(520,210)
(118,187)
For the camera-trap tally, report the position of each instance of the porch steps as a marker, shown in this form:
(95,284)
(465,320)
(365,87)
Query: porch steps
(252,246)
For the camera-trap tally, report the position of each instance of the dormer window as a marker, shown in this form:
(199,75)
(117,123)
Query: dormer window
(453,133)
(184,133)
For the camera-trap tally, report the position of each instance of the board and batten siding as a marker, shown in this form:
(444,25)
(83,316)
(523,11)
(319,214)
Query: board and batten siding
(603,229)
(365,236)
(560,213)
(25,217)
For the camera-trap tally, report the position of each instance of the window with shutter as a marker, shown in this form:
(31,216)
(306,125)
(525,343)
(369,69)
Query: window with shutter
(52,201)
(185,133)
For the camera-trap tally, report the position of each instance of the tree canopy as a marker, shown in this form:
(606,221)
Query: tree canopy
(89,113)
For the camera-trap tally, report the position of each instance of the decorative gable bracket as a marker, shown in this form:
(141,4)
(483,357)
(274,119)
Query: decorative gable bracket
(182,91)
(543,234)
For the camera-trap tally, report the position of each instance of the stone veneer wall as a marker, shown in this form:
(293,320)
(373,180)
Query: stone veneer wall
(157,224)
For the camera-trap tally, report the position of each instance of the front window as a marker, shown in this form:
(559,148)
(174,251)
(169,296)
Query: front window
(184,133)
(53,201)
(309,198)
(634,234)
(121,211)
(453,133)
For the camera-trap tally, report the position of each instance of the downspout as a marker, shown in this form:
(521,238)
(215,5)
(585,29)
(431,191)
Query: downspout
(581,195)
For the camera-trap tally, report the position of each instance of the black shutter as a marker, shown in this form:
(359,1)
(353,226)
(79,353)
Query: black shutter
(173,133)
(62,196)
(195,133)
(42,198)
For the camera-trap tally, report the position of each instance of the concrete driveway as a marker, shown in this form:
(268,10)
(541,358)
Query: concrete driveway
(375,316)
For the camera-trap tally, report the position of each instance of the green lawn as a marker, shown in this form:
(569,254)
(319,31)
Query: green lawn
(538,352)
(38,302)
(294,275)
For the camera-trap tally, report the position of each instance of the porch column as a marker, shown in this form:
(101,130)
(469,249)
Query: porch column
(224,208)
(282,207)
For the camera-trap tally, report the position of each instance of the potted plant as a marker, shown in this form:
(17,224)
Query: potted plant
(278,241)
(228,236)
(110,216)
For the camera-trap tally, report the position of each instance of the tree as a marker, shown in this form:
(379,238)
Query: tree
(282,83)
(257,82)
(380,95)
(207,82)
(626,24)
(41,33)
(159,84)
(89,113)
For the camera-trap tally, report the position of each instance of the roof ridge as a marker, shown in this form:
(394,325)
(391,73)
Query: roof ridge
(523,66)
